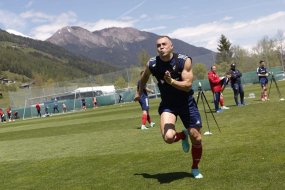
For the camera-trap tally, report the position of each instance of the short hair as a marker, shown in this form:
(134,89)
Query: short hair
(213,66)
(164,36)
(261,61)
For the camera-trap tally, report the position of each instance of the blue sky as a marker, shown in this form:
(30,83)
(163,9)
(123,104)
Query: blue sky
(197,22)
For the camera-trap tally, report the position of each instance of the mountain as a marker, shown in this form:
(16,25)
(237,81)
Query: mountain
(34,58)
(121,46)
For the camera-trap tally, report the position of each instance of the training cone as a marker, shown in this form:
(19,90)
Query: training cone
(207,133)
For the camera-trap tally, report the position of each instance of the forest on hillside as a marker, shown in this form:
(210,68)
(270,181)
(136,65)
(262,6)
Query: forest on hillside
(44,61)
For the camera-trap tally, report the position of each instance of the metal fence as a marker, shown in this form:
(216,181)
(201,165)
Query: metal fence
(23,101)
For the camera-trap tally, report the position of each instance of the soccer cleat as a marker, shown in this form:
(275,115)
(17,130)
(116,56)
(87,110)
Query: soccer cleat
(225,108)
(143,127)
(185,142)
(152,124)
(219,111)
(196,174)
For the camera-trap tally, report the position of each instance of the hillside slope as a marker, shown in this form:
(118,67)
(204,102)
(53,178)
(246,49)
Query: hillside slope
(32,58)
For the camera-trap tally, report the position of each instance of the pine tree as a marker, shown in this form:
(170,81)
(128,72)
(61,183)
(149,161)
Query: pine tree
(224,51)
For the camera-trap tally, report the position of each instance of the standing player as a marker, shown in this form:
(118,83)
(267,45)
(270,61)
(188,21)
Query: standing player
(38,107)
(262,74)
(55,105)
(235,78)
(144,105)
(174,75)
(83,102)
(9,113)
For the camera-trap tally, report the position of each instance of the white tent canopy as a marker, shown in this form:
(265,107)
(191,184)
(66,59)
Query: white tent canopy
(104,89)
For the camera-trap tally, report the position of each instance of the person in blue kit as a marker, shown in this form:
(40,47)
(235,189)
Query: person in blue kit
(235,78)
(55,105)
(144,103)
(262,74)
(174,75)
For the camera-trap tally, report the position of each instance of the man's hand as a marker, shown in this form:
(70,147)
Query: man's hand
(167,77)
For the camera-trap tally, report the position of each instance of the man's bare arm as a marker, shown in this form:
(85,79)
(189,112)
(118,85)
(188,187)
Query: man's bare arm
(187,77)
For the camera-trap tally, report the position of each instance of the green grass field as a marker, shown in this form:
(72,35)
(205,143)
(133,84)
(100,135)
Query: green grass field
(103,149)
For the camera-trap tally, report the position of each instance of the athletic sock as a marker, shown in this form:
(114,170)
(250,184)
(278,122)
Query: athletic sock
(221,100)
(144,117)
(196,155)
(179,136)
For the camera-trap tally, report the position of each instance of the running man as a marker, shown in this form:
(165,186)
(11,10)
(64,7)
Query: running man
(174,75)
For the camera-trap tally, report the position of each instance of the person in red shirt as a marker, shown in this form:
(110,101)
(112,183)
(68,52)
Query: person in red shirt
(9,112)
(217,85)
(38,107)
(2,115)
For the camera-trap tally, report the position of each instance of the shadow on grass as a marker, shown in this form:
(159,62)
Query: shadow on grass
(166,177)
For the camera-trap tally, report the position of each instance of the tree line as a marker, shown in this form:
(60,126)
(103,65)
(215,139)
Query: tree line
(268,49)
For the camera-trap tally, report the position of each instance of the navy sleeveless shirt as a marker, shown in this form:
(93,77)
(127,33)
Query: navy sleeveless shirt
(169,94)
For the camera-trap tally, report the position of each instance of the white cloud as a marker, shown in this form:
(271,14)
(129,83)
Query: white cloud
(54,23)
(244,34)
(46,25)
(11,20)
(36,16)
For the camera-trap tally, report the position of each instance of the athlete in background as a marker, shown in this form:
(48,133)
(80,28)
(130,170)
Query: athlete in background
(235,78)
(144,103)
(262,74)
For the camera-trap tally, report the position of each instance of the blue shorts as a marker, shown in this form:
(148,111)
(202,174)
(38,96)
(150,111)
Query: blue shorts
(263,81)
(144,103)
(189,114)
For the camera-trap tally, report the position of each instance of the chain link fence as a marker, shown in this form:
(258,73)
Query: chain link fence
(23,101)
